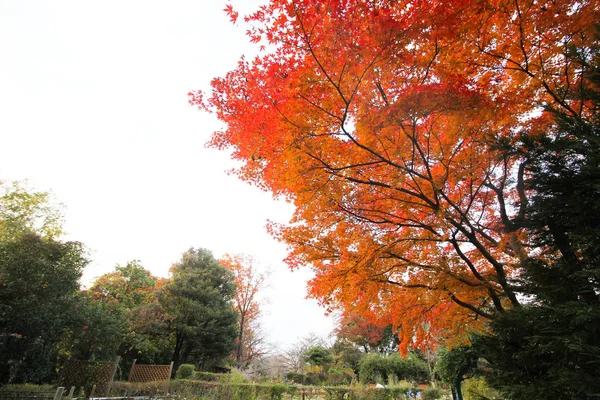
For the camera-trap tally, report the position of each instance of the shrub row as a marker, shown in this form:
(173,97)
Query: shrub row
(249,391)
(332,377)
(240,391)
(392,368)
(221,391)
(209,377)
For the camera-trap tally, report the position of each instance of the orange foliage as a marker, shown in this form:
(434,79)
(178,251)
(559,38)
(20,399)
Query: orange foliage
(248,283)
(385,123)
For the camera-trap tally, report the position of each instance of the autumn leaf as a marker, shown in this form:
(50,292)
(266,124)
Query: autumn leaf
(233,15)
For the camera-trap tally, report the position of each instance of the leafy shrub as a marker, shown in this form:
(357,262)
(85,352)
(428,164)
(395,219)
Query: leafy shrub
(185,371)
(277,391)
(192,389)
(209,376)
(477,388)
(337,377)
(225,391)
(389,369)
(234,377)
(318,355)
(335,393)
(432,393)
(296,377)
(29,387)
(135,389)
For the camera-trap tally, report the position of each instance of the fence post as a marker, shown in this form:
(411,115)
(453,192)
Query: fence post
(59,393)
(112,377)
(131,370)
(169,379)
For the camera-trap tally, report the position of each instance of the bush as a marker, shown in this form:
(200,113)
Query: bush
(432,393)
(296,377)
(185,371)
(209,376)
(336,377)
(192,389)
(389,369)
(29,387)
(234,377)
(138,389)
(221,391)
(477,388)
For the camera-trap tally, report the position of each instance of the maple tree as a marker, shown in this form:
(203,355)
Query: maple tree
(250,343)
(364,333)
(394,128)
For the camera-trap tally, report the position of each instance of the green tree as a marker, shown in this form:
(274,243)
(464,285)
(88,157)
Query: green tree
(131,292)
(97,330)
(319,356)
(23,211)
(454,366)
(347,355)
(550,347)
(199,299)
(39,288)
(130,285)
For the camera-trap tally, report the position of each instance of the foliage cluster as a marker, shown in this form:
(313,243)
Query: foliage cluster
(332,377)
(46,318)
(391,368)
(219,390)
(138,389)
(254,391)
(250,341)
(209,376)
(185,371)
(39,307)
(477,388)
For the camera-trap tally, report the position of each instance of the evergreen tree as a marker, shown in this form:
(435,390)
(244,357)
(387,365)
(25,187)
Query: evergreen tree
(199,300)
(550,347)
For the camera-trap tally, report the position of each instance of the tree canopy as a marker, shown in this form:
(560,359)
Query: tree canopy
(250,342)
(39,287)
(24,211)
(391,126)
(442,159)
(198,298)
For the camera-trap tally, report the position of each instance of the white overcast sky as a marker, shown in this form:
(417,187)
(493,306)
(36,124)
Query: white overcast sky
(93,107)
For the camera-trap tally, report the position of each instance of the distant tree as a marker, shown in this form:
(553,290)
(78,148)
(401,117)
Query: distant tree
(369,335)
(250,342)
(319,356)
(296,353)
(23,211)
(347,355)
(198,298)
(131,291)
(39,289)
(130,285)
